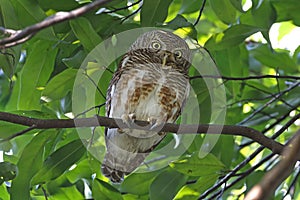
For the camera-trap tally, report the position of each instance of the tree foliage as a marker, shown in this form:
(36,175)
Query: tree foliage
(37,79)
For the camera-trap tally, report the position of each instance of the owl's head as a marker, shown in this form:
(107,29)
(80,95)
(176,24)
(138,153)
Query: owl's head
(164,48)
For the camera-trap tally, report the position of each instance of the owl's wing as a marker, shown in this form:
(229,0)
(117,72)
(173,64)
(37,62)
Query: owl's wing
(113,83)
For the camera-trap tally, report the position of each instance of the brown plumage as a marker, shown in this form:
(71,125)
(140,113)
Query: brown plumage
(151,83)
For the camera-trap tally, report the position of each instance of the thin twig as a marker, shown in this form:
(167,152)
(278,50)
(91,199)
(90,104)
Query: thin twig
(122,8)
(278,93)
(280,119)
(95,84)
(243,175)
(20,36)
(200,12)
(86,111)
(45,193)
(246,78)
(133,13)
(33,126)
(277,96)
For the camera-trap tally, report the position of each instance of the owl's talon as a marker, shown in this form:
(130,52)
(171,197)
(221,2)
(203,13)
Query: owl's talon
(120,130)
(128,119)
(161,133)
(155,124)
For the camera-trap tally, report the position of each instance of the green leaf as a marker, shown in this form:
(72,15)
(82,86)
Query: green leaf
(273,59)
(7,171)
(233,36)
(221,150)
(28,164)
(154,12)
(195,166)
(224,10)
(166,185)
(287,10)
(103,190)
(67,193)
(4,193)
(35,74)
(84,31)
(76,60)
(238,5)
(262,14)
(189,6)
(9,59)
(60,85)
(251,180)
(230,66)
(7,129)
(9,15)
(180,22)
(59,161)
(82,170)
(193,191)
(138,183)
(58,5)
(28,12)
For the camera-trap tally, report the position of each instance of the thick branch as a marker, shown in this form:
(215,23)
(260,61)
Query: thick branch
(257,136)
(279,173)
(20,36)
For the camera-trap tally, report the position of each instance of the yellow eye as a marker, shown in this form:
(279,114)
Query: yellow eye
(156,45)
(177,54)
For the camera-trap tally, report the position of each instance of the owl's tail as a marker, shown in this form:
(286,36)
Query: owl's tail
(115,169)
(114,175)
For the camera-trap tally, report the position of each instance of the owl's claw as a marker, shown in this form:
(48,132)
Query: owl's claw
(128,119)
(157,123)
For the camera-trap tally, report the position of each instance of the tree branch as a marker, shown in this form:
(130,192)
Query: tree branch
(19,36)
(279,173)
(253,134)
(247,77)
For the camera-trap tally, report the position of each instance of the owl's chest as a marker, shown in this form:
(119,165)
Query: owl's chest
(139,92)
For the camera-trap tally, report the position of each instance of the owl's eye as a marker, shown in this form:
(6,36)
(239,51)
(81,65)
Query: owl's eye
(177,54)
(156,45)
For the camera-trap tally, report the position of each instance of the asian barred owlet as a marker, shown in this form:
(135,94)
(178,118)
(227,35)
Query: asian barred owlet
(150,84)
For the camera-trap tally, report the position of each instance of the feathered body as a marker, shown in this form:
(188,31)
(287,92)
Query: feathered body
(150,84)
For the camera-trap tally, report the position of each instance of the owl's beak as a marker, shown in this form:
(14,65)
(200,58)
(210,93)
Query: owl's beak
(164,66)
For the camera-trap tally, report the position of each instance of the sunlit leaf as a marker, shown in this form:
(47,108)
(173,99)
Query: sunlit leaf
(4,193)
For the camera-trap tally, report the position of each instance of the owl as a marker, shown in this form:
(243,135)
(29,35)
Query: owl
(150,84)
